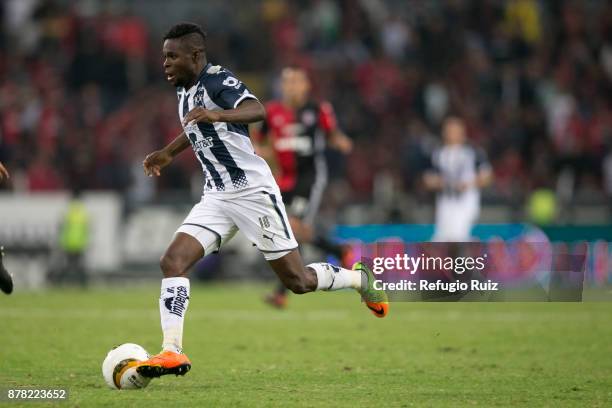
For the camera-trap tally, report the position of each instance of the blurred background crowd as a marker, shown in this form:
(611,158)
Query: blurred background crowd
(83,98)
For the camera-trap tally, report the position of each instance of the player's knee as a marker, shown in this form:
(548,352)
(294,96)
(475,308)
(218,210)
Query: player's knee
(171,265)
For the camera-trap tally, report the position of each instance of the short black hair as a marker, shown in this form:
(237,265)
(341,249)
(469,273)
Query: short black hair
(197,36)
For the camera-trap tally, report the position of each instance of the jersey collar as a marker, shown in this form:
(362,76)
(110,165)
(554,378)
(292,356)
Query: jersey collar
(202,74)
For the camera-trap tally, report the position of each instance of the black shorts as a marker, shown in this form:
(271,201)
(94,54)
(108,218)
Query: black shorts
(304,199)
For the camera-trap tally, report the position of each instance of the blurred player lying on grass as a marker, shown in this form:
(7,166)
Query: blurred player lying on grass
(6,281)
(239,193)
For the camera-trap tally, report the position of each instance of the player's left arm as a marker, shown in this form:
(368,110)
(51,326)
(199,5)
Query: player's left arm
(336,138)
(484,177)
(432,176)
(239,105)
(248,111)
(340,141)
(484,174)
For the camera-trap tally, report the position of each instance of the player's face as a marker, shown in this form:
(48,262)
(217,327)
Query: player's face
(294,86)
(179,63)
(454,131)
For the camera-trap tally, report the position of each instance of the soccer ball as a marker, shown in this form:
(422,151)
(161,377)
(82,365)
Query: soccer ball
(119,367)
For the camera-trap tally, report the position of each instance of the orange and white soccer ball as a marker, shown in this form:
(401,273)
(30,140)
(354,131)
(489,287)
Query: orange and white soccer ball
(119,367)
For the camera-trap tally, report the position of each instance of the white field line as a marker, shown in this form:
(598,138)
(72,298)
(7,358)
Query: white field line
(59,314)
(130,314)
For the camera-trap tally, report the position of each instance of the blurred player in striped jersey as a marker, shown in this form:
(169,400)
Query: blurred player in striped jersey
(240,193)
(457,173)
(293,140)
(6,281)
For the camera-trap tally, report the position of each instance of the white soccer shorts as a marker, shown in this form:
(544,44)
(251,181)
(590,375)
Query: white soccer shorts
(260,216)
(455,218)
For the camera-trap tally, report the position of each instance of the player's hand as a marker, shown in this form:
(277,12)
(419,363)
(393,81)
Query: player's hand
(199,114)
(156,161)
(341,142)
(3,172)
(344,145)
(433,181)
(464,186)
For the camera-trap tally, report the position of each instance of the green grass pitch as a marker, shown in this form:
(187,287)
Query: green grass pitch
(325,350)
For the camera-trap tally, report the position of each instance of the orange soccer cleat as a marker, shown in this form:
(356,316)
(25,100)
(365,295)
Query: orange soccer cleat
(375,299)
(166,362)
(378,309)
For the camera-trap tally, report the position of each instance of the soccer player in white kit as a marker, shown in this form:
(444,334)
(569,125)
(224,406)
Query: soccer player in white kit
(457,173)
(239,193)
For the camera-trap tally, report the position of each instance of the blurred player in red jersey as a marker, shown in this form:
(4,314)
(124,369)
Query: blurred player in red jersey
(6,281)
(293,140)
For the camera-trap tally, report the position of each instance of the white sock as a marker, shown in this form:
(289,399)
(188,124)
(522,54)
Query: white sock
(331,277)
(173,304)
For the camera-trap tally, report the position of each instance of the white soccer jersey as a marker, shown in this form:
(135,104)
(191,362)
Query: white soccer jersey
(458,164)
(229,162)
(456,210)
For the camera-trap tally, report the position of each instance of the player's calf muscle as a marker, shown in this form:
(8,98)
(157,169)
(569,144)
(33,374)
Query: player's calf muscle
(294,275)
(301,283)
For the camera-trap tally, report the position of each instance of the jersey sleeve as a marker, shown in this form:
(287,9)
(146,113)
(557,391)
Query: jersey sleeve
(227,91)
(327,117)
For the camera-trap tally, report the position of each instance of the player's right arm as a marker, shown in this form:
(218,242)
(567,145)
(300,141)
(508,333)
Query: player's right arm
(432,179)
(159,159)
(340,141)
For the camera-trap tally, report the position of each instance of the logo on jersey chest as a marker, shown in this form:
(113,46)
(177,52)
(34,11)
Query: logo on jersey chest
(198,98)
(309,118)
(293,139)
(300,144)
(203,143)
(197,142)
